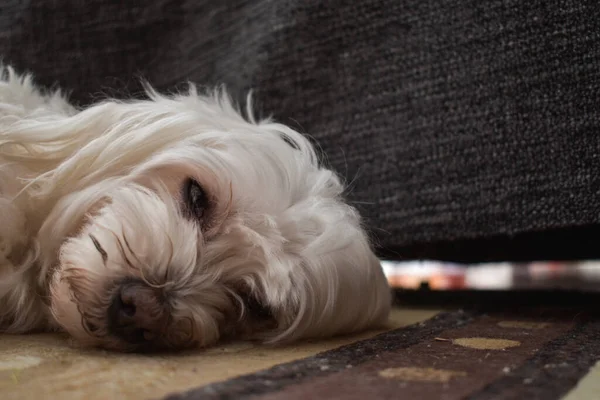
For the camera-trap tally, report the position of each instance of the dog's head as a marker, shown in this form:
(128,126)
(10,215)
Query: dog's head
(177,221)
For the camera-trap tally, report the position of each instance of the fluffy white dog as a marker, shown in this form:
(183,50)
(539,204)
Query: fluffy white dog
(173,222)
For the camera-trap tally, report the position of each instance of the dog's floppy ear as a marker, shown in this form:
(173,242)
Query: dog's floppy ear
(253,317)
(338,297)
(333,285)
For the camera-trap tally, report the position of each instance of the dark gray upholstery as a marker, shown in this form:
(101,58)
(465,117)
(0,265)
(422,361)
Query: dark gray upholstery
(453,119)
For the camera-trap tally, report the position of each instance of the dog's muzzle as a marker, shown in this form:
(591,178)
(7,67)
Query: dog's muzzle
(138,314)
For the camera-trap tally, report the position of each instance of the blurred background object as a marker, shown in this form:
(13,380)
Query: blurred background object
(445,276)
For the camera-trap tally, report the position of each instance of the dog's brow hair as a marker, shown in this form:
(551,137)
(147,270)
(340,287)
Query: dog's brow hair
(102,252)
(122,251)
(134,256)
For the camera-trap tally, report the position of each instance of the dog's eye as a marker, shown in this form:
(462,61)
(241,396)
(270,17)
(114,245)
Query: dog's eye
(195,198)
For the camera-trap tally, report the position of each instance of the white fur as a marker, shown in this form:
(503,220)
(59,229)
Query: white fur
(277,230)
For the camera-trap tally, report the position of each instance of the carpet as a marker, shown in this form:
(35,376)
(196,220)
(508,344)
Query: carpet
(520,354)
(48,366)
(541,352)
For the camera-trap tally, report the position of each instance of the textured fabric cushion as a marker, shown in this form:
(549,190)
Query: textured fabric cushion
(452,119)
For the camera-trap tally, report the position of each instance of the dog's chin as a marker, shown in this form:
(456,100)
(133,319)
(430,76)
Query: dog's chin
(80,314)
(66,314)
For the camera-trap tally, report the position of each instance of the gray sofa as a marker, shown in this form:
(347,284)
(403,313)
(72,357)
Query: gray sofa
(468,129)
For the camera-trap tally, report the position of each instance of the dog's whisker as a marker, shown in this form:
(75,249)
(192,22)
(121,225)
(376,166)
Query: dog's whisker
(170,260)
(131,252)
(122,252)
(137,259)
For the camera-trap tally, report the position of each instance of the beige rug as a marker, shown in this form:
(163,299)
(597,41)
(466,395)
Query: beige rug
(47,367)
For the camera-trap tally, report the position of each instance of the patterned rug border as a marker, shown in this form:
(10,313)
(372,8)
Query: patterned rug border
(554,369)
(278,377)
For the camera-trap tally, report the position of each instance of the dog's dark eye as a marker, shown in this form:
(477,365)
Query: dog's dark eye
(195,198)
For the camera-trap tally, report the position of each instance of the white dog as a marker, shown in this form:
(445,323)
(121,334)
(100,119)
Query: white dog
(173,222)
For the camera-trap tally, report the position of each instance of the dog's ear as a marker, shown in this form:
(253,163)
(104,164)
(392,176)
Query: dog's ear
(253,317)
(338,287)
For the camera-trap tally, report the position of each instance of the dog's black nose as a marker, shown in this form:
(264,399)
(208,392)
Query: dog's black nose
(137,313)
